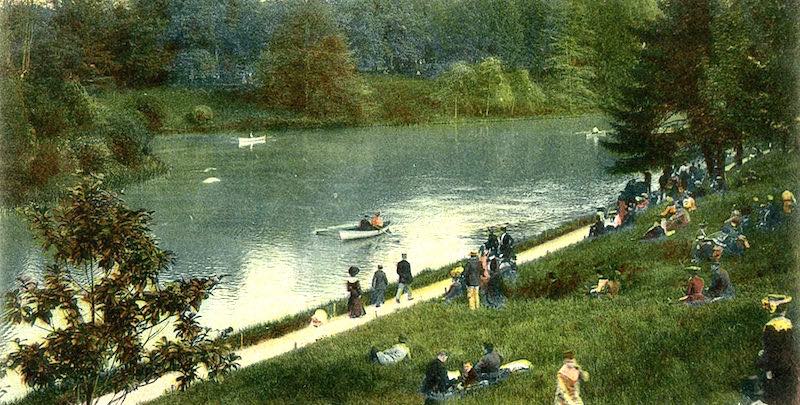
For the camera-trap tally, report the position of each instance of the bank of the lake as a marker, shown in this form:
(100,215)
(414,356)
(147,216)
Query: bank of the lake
(643,335)
(393,100)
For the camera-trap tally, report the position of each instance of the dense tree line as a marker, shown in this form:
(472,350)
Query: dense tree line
(728,69)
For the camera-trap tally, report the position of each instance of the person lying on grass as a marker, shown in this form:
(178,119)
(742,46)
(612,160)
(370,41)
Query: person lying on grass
(392,355)
(568,381)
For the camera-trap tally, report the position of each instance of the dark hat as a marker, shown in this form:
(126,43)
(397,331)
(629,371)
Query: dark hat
(488,346)
(353,270)
(380,266)
(402,338)
(569,355)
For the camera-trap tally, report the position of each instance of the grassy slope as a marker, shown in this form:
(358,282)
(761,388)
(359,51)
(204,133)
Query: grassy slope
(639,348)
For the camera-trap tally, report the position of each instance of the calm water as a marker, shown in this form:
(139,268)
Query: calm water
(441,186)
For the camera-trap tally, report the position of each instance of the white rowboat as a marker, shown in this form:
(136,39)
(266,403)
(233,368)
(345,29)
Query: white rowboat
(252,141)
(350,234)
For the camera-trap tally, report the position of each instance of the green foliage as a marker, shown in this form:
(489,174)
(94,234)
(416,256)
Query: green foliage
(307,66)
(55,107)
(152,108)
(527,95)
(200,115)
(127,137)
(102,303)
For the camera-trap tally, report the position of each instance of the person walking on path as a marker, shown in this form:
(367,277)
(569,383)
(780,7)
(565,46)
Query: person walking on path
(473,279)
(568,382)
(354,306)
(405,278)
(379,284)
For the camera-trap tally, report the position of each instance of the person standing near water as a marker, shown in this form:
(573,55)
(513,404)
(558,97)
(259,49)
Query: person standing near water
(405,278)
(379,284)
(472,275)
(354,306)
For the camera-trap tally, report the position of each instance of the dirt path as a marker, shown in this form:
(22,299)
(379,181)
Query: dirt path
(306,336)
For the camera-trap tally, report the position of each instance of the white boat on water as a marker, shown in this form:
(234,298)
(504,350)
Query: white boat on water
(354,233)
(244,142)
(349,231)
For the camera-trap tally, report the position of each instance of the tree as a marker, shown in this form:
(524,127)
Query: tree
(457,84)
(102,306)
(307,66)
(492,86)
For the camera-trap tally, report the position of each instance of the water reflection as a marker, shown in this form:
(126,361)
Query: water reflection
(440,185)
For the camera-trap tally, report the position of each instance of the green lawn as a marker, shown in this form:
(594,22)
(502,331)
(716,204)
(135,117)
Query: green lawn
(639,348)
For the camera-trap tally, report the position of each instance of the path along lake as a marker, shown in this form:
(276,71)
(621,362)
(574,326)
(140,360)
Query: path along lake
(441,186)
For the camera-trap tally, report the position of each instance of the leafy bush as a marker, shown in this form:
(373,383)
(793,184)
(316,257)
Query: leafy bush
(55,107)
(152,108)
(200,115)
(127,137)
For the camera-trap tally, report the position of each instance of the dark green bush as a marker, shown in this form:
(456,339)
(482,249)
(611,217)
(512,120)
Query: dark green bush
(127,137)
(200,115)
(152,108)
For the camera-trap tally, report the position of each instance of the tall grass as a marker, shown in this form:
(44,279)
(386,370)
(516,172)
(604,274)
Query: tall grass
(641,347)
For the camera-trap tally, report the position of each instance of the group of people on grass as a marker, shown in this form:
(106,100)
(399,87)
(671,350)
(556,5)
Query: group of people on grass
(483,275)
(480,278)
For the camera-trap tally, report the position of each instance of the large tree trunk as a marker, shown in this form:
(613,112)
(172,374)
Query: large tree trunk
(710,159)
(648,180)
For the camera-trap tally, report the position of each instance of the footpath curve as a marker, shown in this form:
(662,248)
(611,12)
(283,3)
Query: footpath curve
(274,347)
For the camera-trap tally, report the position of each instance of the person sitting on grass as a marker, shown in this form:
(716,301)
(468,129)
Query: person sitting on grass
(319,318)
(679,219)
(568,381)
(689,202)
(489,365)
(721,287)
(392,355)
(606,286)
(436,382)
(670,209)
(469,376)
(694,290)
(457,287)
(788,201)
(657,231)
(599,226)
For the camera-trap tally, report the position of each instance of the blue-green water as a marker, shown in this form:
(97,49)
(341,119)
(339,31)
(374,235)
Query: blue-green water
(441,186)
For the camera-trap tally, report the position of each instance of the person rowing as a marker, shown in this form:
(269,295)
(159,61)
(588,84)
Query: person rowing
(376,222)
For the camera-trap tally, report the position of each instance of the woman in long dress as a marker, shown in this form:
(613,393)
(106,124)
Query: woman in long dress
(354,305)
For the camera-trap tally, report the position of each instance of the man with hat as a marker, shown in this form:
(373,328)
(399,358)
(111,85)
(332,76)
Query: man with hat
(568,381)
(506,244)
(777,358)
(376,222)
(392,355)
(379,284)
(472,276)
(404,278)
(492,242)
(436,379)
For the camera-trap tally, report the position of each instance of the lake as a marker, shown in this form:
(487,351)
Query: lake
(441,186)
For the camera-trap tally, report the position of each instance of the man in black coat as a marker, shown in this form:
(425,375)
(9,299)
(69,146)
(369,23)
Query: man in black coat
(404,279)
(506,244)
(379,283)
(472,275)
(492,243)
(436,380)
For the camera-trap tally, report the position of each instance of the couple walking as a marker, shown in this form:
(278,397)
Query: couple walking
(380,282)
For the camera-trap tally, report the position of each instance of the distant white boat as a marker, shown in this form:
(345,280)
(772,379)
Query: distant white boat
(251,140)
(211,180)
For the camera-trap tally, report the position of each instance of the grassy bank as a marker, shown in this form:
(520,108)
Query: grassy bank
(640,347)
(392,100)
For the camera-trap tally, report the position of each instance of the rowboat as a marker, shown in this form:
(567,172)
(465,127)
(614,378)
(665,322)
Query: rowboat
(243,142)
(353,232)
